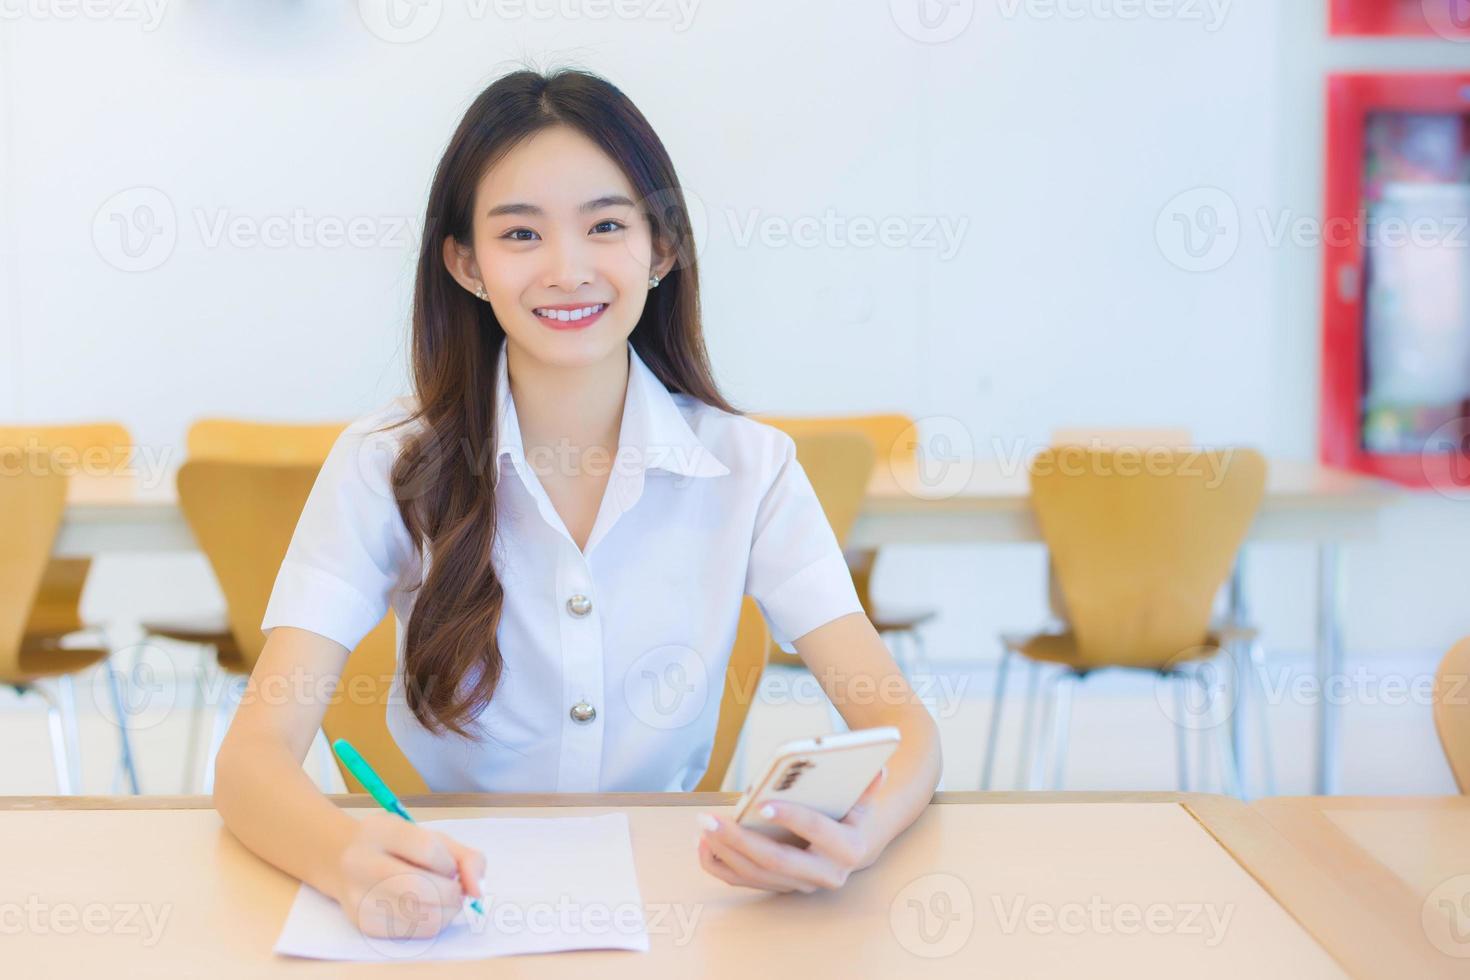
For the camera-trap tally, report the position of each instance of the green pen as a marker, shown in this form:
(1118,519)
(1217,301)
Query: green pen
(379,790)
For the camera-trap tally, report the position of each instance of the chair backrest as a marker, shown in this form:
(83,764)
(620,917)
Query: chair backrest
(839,465)
(262,442)
(1452,710)
(1141,541)
(32,501)
(895,441)
(243,516)
(1171,437)
(359,711)
(88,448)
(742,680)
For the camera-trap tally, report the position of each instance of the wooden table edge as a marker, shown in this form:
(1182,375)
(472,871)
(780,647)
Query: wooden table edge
(1355,935)
(352,800)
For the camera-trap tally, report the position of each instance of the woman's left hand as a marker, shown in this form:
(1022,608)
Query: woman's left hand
(750,859)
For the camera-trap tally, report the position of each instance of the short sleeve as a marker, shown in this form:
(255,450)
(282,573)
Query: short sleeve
(350,545)
(797,572)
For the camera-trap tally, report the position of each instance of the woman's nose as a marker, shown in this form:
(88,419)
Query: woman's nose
(571,265)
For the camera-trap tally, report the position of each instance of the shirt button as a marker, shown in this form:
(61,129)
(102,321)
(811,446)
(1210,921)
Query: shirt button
(583,712)
(579,605)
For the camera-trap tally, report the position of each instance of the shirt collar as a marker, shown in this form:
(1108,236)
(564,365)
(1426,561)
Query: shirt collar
(653,434)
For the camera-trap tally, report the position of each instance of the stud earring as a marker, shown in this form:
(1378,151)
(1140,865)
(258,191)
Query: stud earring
(653,282)
(480,291)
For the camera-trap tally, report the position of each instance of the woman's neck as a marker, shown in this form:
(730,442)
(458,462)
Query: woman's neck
(580,407)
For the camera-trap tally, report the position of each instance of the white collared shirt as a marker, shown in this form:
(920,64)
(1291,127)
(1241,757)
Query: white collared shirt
(701,508)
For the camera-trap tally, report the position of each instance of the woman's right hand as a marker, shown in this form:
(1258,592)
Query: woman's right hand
(397,880)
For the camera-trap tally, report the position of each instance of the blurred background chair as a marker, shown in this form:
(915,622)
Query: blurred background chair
(894,438)
(1452,711)
(243,515)
(86,450)
(1140,553)
(33,492)
(742,683)
(237,440)
(839,465)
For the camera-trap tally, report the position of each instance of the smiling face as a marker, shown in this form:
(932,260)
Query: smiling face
(561,249)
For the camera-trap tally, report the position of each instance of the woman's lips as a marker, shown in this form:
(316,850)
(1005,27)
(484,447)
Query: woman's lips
(585,321)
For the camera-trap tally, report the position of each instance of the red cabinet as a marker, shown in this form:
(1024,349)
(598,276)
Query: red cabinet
(1396,292)
(1446,18)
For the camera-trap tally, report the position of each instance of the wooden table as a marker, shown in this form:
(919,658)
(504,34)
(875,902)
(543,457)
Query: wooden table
(1399,869)
(960,502)
(997,884)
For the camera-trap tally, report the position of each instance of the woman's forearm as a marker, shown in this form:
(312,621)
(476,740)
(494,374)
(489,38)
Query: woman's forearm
(270,804)
(913,773)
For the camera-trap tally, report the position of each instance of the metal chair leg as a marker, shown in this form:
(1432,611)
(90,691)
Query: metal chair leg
(196,723)
(124,739)
(1035,778)
(987,769)
(67,696)
(1181,731)
(57,729)
(228,696)
(1023,765)
(1062,719)
(1257,670)
(1219,734)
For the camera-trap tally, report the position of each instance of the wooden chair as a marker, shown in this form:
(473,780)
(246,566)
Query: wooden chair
(237,440)
(243,515)
(742,683)
(894,440)
(359,712)
(87,449)
(1140,553)
(33,491)
(1452,711)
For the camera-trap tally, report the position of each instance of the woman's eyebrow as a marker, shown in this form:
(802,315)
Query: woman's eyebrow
(596,204)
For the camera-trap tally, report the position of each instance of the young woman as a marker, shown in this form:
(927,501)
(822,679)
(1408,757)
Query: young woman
(564,515)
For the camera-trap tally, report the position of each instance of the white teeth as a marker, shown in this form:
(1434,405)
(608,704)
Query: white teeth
(569,315)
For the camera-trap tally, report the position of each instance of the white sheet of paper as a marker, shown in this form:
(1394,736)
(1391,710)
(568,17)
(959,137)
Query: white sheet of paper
(552,884)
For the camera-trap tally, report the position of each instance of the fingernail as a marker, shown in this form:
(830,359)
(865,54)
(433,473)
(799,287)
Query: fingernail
(768,811)
(708,822)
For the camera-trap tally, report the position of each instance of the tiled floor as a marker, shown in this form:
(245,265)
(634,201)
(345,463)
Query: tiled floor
(1121,733)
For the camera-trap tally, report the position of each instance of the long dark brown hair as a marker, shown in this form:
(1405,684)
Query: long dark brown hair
(442,476)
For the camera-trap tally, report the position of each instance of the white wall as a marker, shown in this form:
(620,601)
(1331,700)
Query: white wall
(1054,142)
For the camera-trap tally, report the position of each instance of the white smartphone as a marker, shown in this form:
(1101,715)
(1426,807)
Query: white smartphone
(827,773)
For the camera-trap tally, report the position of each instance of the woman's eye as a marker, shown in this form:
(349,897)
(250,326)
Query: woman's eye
(511,235)
(609,221)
